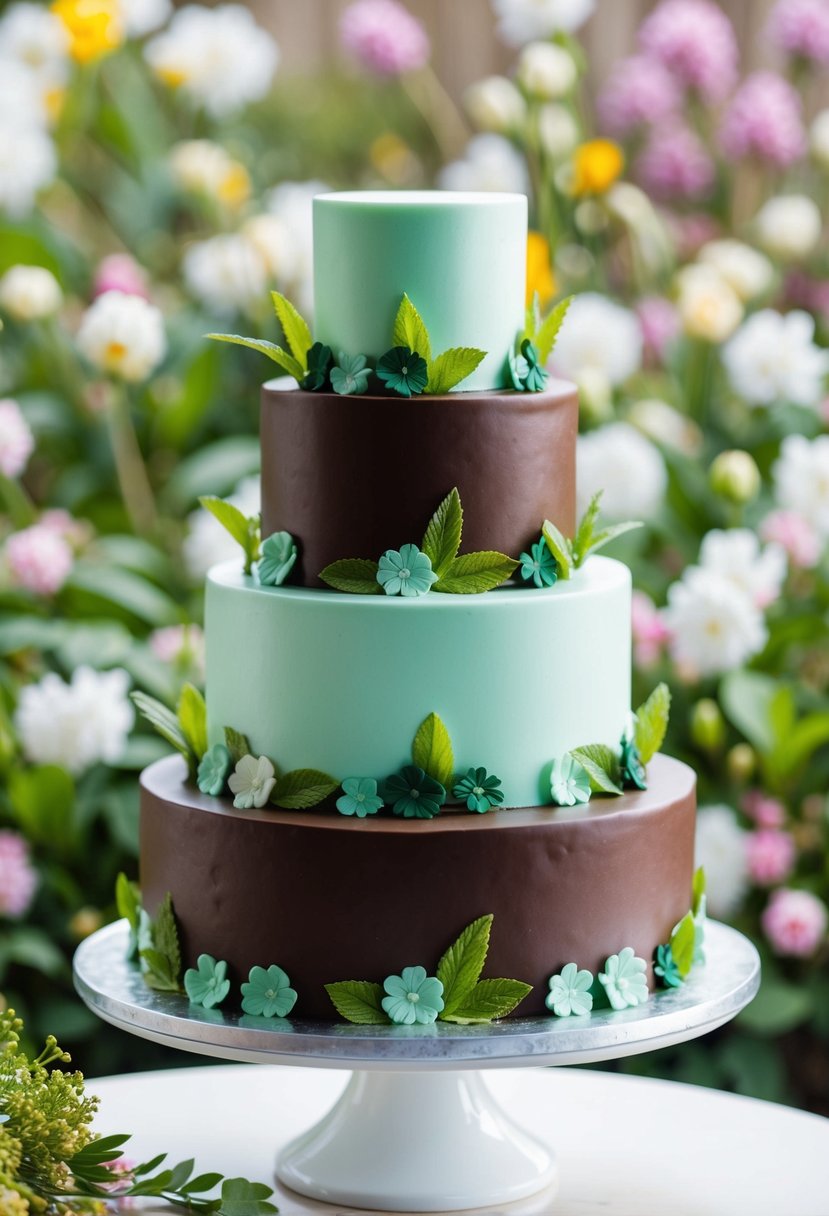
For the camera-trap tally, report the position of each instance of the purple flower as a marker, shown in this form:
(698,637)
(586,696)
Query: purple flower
(384,37)
(764,119)
(801,27)
(660,325)
(695,40)
(675,164)
(770,855)
(640,91)
(18,879)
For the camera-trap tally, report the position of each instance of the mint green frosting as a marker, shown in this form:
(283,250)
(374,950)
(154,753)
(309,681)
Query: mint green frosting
(461,259)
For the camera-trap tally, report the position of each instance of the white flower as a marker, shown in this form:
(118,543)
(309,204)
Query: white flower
(708,306)
(30,293)
(489,163)
(207,543)
(226,274)
(606,460)
(750,273)
(219,57)
(141,17)
(123,335)
(736,556)
(557,130)
(714,626)
(521,21)
(801,479)
(773,358)
(819,139)
(601,335)
(271,238)
(292,203)
(202,167)
(546,70)
(22,96)
(16,439)
(789,227)
(667,426)
(28,162)
(35,37)
(78,724)
(721,850)
(494,104)
(251,782)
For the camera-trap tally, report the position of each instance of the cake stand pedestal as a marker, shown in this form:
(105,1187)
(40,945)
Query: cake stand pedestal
(416,1129)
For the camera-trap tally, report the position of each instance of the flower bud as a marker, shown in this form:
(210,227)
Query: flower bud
(741,762)
(495,104)
(707,725)
(546,70)
(735,477)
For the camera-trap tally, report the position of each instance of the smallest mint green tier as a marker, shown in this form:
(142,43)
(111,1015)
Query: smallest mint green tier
(461,259)
(338,682)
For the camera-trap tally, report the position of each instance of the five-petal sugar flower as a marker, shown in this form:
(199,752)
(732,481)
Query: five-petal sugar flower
(384,37)
(406,572)
(624,980)
(207,984)
(16,440)
(277,560)
(665,968)
(479,790)
(570,992)
(801,479)
(351,375)
(539,566)
(268,993)
(78,724)
(214,767)
(30,293)
(251,782)
(319,363)
(569,781)
(413,997)
(537,375)
(633,770)
(123,336)
(403,371)
(359,797)
(413,794)
(773,358)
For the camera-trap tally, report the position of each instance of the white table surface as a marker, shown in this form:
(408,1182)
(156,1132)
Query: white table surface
(626,1146)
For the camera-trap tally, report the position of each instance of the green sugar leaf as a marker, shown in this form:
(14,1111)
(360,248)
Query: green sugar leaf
(682,944)
(302,788)
(127,900)
(602,767)
(295,328)
(192,718)
(545,338)
(243,528)
(410,331)
(474,573)
(600,539)
(532,321)
(489,999)
(358,1001)
(699,889)
(583,540)
(164,721)
(443,536)
(560,548)
(281,357)
(157,971)
(237,744)
(652,722)
(451,367)
(243,1198)
(165,935)
(432,750)
(357,575)
(461,965)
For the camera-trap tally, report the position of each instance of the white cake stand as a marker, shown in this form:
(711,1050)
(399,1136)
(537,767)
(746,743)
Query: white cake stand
(416,1129)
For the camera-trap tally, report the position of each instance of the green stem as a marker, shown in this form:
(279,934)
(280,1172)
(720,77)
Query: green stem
(439,111)
(136,491)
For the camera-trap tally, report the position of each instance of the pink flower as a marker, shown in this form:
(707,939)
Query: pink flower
(120,272)
(649,632)
(801,27)
(660,325)
(765,119)
(691,232)
(695,41)
(384,37)
(794,534)
(179,644)
(801,290)
(767,812)
(39,559)
(16,440)
(675,164)
(18,878)
(795,922)
(770,855)
(639,92)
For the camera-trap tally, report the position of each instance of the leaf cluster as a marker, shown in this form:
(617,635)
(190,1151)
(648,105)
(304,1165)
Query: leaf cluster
(298,790)
(571,554)
(185,730)
(602,763)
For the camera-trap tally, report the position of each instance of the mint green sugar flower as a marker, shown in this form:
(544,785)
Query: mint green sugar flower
(413,794)
(570,992)
(519,369)
(665,967)
(319,362)
(405,572)
(208,985)
(351,376)
(623,979)
(479,790)
(413,996)
(539,566)
(537,374)
(403,371)
(569,781)
(214,767)
(277,560)
(268,993)
(359,797)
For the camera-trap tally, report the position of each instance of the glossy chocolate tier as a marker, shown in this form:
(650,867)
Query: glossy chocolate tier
(355,476)
(332,898)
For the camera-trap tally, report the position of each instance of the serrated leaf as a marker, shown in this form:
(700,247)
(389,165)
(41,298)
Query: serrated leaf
(600,539)
(532,320)
(698,889)
(192,718)
(474,573)
(545,338)
(489,999)
(443,535)
(163,720)
(279,356)
(128,903)
(302,788)
(237,744)
(460,967)
(295,327)
(652,722)
(682,944)
(451,367)
(243,1198)
(602,767)
(560,548)
(356,575)
(158,972)
(409,330)
(432,750)
(358,1001)
(582,541)
(165,935)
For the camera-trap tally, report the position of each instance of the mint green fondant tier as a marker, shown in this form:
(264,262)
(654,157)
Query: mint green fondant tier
(339,682)
(461,259)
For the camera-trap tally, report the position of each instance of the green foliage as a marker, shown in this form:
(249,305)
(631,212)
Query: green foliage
(302,788)
(243,528)
(296,329)
(460,967)
(432,750)
(237,744)
(682,944)
(442,539)
(547,332)
(488,1000)
(602,767)
(354,574)
(474,573)
(652,722)
(287,363)
(358,1001)
(571,554)
(410,331)
(161,960)
(447,371)
(192,718)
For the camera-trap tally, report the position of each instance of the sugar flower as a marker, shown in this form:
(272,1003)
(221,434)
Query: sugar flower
(696,42)
(764,119)
(801,479)
(359,797)
(319,365)
(770,855)
(521,21)
(675,164)
(268,993)
(479,790)
(18,878)
(795,923)
(736,555)
(30,293)
(403,371)
(278,558)
(413,794)
(490,162)
(598,334)
(569,782)
(75,724)
(214,767)
(225,273)
(207,543)
(351,375)
(795,535)
(665,968)
(708,305)
(38,559)
(28,163)
(413,997)
(639,92)
(123,335)
(801,28)
(604,458)
(773,358)
(207,984)
(624,980)
(749,272)
(714,626)
(789,227)
(539,566)
(536,375)
(16,439)
(384,37)
(570,992)
(495,104)
(251,782)
(721,851)
(406,572)
(546,70)
(203,167)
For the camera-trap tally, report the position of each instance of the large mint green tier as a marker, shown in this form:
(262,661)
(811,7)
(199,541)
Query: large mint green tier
(461,259)
(317,679)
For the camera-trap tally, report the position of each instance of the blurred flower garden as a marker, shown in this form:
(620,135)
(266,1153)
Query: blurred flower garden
(156,172)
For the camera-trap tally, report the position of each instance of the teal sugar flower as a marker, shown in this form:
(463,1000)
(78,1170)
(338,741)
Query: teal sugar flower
(569,782)
(277,560)
(519,369)
(665,967)
(539,566)
(403,371)
(633,770)
(360,797)
(208,985)
(319,361)
(537,374)
(405,572)
(413,996)
(413,794)
(570,992)
(268,993)
(214,767)
(351,376)
(623,980)
(251,782)
(479,790)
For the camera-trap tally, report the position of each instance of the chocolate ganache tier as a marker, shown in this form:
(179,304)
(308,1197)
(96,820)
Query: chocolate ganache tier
(353,476)
(332,898)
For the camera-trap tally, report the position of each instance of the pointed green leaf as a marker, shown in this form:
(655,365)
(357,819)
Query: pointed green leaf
(302,788)
(583,540)
(356,575)
(532,320)
(443,536)
(460,967)
(489,999)
(474,573)
(295,327)
(409,330)
(279,356)
(358,1001)
(158,972)
(454,365)
(192,718)
(128,903)
(560,548)
(237,744)
(682,944)
(600,539)
(165,935)
(229,516)
(699,889)
(204,1182)
(602,767)
(163,720)
(432,750)
(545,338)
(652,722)
(243,1198)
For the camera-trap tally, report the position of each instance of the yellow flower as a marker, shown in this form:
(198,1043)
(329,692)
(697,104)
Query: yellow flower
(94,27)
(596,166)
(234,188)
(539,269)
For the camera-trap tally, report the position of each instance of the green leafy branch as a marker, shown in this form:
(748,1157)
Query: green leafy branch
(245,529)
(297,334)
(185,730)
(602,764)
(571,554)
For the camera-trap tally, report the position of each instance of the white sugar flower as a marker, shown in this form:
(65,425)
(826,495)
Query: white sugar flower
(714,626)
(495,104)
(207,543)
(141,17)
(801,479)
(708,306)
(219,57)
(546,70)
(521,21)
(202,167)
(599,335)
(123,335)
(16,439)
(251,782)
(32,35)
(736,556)
(773,358)
(789,227)
(749,272)
(28,162)
(721,850)
(226,274)
(30,293)
(77,724)
(605,459)
(819,139)
(490,162)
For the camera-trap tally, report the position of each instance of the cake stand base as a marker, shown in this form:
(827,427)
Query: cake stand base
(370,1150)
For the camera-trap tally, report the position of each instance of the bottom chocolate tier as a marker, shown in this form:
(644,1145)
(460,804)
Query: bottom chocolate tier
(333,898)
